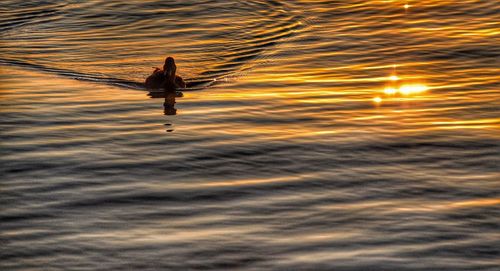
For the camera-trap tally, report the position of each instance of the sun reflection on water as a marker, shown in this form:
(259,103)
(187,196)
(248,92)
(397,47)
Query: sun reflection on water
(406,89)
(401,87)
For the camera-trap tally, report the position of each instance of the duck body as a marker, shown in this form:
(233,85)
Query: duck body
(156,79)
(165,79)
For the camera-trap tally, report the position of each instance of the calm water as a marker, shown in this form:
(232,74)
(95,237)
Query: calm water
(320,135)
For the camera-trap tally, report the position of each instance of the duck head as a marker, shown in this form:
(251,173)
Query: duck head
(169,68)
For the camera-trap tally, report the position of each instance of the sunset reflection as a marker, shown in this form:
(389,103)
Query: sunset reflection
(406,89)
(398,86)
(310,135)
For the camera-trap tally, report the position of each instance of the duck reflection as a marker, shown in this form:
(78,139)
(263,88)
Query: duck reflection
(169,103)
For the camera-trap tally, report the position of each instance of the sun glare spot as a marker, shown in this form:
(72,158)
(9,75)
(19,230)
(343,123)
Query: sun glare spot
(412,89)
(394,78)
(390,91)
(399,87)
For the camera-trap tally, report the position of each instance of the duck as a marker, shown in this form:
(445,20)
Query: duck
(165,78)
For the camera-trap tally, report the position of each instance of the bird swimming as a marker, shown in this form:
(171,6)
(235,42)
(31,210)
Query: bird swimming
(166,78)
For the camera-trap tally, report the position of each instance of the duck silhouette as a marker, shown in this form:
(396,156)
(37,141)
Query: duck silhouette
(165,79)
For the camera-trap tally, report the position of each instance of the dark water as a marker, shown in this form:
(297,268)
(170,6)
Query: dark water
(322,135)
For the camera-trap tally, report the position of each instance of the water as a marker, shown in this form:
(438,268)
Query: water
(317,135)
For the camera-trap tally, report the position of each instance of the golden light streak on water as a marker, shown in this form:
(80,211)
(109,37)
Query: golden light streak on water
(406,89)
(394,78)
(413,206)
(258,181)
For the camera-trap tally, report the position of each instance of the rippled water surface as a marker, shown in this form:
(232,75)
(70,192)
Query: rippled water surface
(315,135)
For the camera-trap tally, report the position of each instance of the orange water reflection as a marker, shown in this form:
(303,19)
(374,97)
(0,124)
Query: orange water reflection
(399,86)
